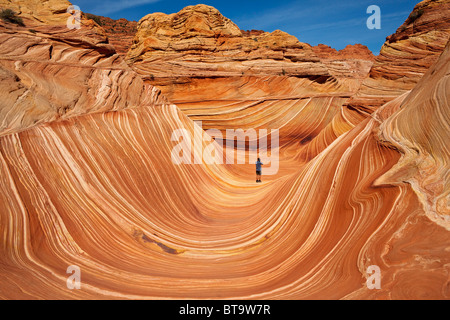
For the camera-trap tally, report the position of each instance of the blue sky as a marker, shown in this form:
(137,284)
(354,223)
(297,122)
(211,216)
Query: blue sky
(334,23)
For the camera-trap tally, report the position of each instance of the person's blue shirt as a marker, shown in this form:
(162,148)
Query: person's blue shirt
(258,165)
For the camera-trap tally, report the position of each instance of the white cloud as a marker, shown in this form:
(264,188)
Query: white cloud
(352,22)
(109,6)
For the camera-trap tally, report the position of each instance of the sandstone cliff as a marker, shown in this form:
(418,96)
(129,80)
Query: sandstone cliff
(50,12)
(226,78)
(94,186)
(351,63)
(199,42)
(49,72)
(120,32)
(357,51)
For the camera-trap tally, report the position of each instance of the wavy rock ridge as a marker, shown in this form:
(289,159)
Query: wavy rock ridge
(425,159)
(96,187)
(39,62)
(226,78)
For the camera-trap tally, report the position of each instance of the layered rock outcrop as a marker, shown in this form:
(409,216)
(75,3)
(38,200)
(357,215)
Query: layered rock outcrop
(96,187)
(49,72)
(425,160)
(200,42)
(49,12)
(120,32)
(357,51)
(226,78)
(349,65)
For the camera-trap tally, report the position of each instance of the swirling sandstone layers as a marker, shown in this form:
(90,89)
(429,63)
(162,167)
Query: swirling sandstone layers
(230,79)
(49,72)
(78,194)
(419,129)
(99,190)
(425,160)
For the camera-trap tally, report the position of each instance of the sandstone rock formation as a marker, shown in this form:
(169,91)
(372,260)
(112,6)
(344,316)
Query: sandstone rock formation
(49,12)
(200,42)
(418,128)
(94,186)
(357,51)
(120,32)
(351,63)
(40,61)
(425,157)
(226,78)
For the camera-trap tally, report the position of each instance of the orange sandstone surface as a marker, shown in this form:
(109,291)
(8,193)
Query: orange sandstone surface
(120,32)
(87,177)
(227,79)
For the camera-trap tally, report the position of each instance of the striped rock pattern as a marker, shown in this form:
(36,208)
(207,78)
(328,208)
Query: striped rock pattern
(230,79)
(49,72)
(96,188)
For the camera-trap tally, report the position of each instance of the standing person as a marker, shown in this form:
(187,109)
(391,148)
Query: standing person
(258,170)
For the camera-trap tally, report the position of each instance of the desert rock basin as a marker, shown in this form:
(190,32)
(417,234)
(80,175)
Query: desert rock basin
(88,179)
